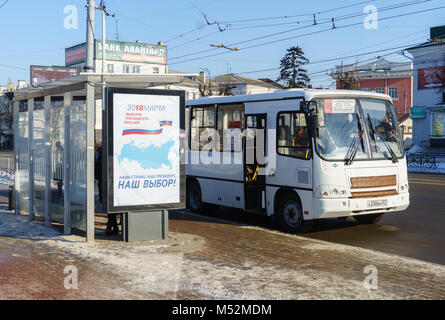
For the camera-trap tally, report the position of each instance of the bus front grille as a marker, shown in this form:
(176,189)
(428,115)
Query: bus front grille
(374,182)
(373,194)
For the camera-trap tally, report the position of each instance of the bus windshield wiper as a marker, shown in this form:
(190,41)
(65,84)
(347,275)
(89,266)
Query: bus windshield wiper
(374,134)
(352,151)
(353,148)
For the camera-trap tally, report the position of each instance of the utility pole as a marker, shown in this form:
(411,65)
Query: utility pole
(89,67)
(90,123)
(105,13)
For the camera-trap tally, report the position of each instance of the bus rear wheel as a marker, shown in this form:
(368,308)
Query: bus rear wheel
(369,218)
(194,200)
(290,215)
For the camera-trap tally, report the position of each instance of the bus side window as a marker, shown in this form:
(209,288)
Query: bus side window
(202,128)
(292,135)
(230,127)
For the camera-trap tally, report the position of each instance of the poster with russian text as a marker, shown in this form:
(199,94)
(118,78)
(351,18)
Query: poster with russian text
(146,149)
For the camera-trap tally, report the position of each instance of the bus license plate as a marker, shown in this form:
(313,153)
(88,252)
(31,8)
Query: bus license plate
(377,203)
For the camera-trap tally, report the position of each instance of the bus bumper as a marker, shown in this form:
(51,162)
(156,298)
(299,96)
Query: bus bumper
(333,208)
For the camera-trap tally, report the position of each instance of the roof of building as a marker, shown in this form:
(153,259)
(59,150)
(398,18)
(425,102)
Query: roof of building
(403,118)
(427,44)
(233,79)
(381,68)
(436,33)
(236,79)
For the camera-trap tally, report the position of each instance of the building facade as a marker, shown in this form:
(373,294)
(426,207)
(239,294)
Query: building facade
(428,112)
(120,57)
(392,78)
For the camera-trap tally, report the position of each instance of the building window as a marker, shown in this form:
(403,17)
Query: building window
(393,93)
(438,124)
(292,135)
(230,126)
(202,128)
(111,68)
(380,90)
(137,69)
(366,89)
(155,70)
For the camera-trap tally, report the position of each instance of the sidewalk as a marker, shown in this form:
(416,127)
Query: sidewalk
(202,259)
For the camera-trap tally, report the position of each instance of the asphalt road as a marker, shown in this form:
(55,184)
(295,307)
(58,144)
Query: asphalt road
(418,232)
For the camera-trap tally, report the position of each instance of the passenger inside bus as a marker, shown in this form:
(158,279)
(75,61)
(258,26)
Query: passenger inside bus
(252,173)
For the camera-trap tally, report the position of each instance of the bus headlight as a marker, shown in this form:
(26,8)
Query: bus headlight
(332,191)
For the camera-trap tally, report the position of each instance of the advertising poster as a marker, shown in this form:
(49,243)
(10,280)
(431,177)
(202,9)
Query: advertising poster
(430,78)
(76,54)
(146,144)
(43,74)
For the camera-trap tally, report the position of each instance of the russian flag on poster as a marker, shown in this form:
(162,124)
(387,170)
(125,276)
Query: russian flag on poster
(148,132)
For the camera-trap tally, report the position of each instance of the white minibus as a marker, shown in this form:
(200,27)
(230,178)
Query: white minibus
(297,155)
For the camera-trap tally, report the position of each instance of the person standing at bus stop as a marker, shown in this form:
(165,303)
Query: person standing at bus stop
(112,227)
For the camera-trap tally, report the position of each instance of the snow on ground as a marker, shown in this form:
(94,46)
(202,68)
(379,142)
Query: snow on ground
(440,168)
(162,267)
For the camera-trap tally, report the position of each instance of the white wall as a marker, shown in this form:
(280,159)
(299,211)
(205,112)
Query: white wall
(429,57)
(145,68)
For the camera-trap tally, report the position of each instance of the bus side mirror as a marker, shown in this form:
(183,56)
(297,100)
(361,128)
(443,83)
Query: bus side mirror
(309,107)
(313,126)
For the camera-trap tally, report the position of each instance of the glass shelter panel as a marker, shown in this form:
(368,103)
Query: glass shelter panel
(38,153)
(77,164)
(57,147)
(23,159)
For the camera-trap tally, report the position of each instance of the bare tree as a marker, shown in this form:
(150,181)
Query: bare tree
(348,79)
(205,87)
(225,89)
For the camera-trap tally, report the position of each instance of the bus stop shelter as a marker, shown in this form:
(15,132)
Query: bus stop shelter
(54,132)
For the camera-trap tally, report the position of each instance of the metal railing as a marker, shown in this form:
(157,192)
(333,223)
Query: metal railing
(422,160)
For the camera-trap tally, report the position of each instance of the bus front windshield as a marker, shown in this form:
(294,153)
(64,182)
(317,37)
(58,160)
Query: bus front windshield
(366,128)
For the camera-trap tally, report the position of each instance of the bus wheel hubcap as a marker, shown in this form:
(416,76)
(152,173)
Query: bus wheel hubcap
(292,213)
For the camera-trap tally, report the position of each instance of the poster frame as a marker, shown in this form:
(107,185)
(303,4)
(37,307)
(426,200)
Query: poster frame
(107,151)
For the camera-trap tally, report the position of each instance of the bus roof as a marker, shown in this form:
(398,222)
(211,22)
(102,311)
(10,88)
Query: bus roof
(307,94)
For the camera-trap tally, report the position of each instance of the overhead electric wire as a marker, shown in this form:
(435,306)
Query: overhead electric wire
(302,35)
(299,15)
(13,67)
(392,7)
(340,58)
(1,6)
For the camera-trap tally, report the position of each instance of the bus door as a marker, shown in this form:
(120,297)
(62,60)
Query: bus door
(254,163)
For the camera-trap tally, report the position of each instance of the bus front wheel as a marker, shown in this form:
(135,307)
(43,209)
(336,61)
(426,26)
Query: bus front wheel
(194,200)
(290,215)
(368,218)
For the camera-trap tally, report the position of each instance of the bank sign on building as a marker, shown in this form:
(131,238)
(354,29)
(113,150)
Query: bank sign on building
(428,111)
(121,57)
